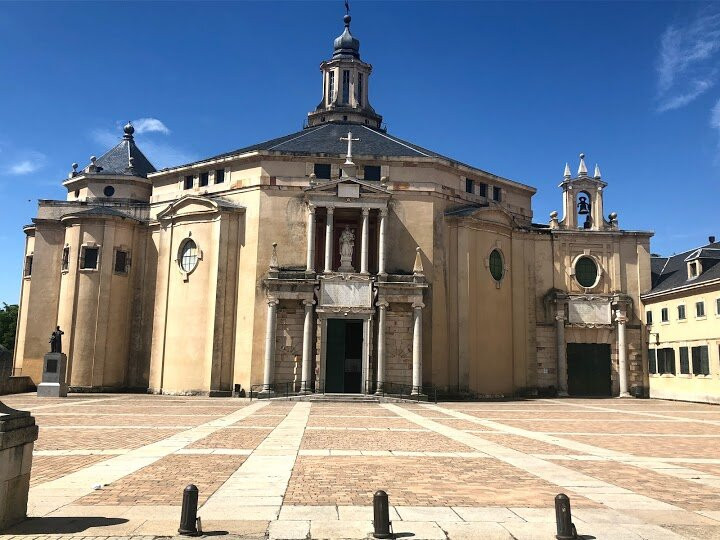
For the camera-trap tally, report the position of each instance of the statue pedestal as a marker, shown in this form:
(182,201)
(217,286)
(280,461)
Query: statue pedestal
(53,377)
(18,433)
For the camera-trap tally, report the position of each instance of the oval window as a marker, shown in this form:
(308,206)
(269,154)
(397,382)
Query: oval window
(188,258)
(497,270)
(586,272)
(109,191)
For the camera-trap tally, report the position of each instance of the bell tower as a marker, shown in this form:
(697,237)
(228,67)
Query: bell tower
(345,85)
(583,201)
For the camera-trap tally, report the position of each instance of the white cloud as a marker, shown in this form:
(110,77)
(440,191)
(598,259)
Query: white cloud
(688,59)
(105,138)
(24,162)
(715,116)
(163,155)
(150,125)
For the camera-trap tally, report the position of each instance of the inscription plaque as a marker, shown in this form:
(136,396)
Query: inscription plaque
(52,365)
(589,312)
(346,294)
(351,191)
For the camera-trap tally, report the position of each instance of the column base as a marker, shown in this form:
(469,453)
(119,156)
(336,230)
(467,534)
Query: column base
(563,393)
(624,394)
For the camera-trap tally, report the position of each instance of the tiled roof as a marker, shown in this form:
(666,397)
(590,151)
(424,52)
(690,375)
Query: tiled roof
(325,139)
(671,272)
(117,159)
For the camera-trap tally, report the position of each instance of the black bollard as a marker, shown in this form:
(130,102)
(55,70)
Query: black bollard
(381,515)
(188,518)
(563,517)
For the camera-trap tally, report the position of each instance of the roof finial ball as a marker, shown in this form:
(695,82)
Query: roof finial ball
(129,130)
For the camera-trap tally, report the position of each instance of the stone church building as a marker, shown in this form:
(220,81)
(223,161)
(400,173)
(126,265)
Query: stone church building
(340,259)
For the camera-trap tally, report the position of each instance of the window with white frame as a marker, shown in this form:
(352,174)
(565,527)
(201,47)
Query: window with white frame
(666,361)
(681,312)
(188,255)
(648,317)
(700,360)
(664,317)
(699,309)
(684,361)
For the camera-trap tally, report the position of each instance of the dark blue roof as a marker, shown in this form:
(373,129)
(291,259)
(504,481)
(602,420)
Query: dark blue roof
(671,272)
(117,160)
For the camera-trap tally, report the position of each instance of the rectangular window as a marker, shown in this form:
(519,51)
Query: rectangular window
(482,189)
(496,193)
(666,361)
(664,315)
(331,86)
(371,173)
(684,360)
(65,262)
(648,317)
(27,271)
(699,309)
(322,170)
(219,176)
(717,306)
(188,182)
(121,260)
(89,258)
(700,360)
(204,179)
(469,185)
(360,89)
(681,312)
(346,87)
(652,361)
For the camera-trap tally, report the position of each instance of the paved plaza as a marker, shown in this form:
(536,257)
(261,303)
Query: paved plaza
(115,465)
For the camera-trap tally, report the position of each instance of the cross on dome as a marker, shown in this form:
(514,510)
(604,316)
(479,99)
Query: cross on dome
(349,139)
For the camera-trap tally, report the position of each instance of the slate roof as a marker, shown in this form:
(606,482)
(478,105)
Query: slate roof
(671,272)
(116,160)
(325,139)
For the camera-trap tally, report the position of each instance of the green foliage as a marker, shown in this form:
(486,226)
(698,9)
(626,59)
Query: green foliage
(8,324)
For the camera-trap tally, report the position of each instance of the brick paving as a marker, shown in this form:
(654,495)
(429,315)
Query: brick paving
(47,468)
(416,481)
(446,462)
(163,482)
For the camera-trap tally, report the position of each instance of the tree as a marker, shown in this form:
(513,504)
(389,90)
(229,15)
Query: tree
(8,325)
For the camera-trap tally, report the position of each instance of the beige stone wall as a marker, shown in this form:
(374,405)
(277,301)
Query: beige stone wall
(289,341)
(546,346)
(398,343)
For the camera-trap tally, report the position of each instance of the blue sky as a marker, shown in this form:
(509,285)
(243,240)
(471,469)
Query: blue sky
(514,88)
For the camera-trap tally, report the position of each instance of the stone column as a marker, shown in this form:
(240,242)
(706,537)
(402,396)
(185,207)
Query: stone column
(307,346)
(364,244)
(18,434)
(562,379)
(381,242)
(270,344)
(417,348)
(329,239)
(310,267)
(622,354)
(382,307)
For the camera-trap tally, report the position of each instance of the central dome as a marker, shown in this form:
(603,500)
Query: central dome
(345,44)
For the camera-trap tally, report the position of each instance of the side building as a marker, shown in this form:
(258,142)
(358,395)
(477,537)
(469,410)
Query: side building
(683,319)
(339,258)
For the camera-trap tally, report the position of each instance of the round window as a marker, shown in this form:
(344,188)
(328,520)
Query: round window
(109,191)
(188,258)
(586,272)
(496,265)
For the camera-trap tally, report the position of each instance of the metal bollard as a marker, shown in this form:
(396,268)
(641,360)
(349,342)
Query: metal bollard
(563,517)
(381,515)
(188,518)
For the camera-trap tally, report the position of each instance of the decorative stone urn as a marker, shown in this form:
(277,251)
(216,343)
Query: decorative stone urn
(18,434)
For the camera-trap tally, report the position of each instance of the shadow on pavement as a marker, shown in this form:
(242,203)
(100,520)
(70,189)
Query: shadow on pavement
(62,525)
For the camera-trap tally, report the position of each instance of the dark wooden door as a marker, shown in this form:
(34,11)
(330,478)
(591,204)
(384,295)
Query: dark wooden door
(343,356)
(588,369)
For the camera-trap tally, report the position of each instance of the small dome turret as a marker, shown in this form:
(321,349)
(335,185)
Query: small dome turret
(345,44)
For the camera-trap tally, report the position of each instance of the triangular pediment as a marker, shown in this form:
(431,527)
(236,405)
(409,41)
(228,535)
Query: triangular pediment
(494,214)
(192,205)
(331,187)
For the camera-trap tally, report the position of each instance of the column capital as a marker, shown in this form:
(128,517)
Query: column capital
(330,209)
(365,210)
(621,318)
(382,304)
(418,305)
(272,302)
(308,303)
(560,317)
(383,212)
(311,208)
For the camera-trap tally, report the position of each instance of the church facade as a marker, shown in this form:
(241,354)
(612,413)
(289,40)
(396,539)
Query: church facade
(338,259)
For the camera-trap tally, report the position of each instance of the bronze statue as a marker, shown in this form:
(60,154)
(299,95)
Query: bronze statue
(56,340)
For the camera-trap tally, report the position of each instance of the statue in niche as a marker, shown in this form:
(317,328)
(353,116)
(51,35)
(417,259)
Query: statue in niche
(347,245)
(56,340)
